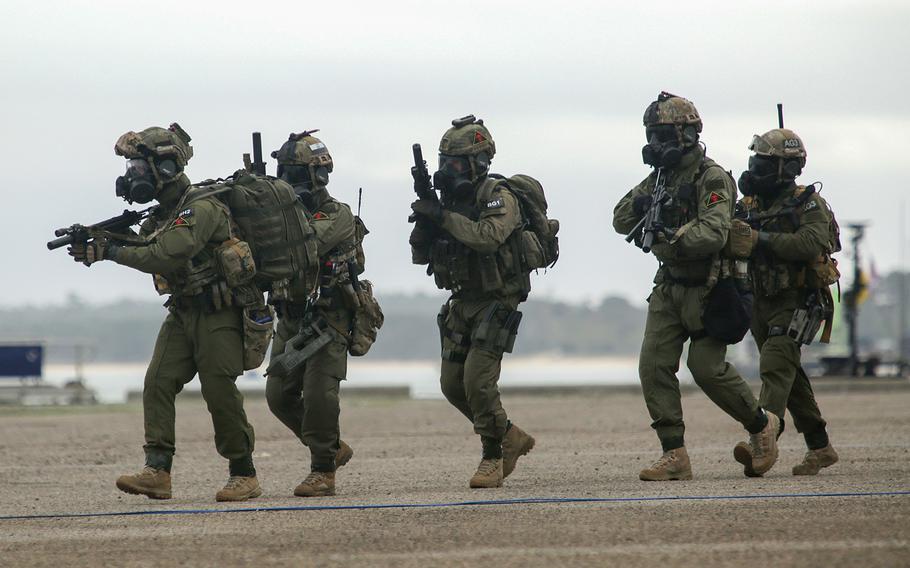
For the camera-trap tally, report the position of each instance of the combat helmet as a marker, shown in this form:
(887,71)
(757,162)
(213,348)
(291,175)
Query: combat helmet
(780,143)
(156,143)
(304,158)
(671,125)
(469,138)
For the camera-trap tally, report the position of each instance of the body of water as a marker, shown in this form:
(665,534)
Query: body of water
(112,382)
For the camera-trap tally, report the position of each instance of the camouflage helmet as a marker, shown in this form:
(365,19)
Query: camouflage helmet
(172,142)
(467,137)
(779,143)
(672,109)
(304,149)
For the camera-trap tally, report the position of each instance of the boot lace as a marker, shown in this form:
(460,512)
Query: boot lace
(664,460)
(487,467)
(234,482)
(314,478)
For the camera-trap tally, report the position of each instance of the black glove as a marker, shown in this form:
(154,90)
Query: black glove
(428,208)
(90,252)
(641,204)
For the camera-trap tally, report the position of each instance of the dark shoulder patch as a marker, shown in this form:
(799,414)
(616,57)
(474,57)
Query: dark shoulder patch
(494,203)
(715,184)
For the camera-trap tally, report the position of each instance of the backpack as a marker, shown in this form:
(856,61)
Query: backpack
(539,243)
(274,225)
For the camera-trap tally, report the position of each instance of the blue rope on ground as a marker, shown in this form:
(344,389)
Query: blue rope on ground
(521,501)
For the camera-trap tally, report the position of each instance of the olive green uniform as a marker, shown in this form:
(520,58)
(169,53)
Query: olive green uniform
(195,337)
(702,206)
(471,254)
(307,401)
(782,280)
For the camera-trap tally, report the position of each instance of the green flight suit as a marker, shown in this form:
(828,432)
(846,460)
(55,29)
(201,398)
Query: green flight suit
(779,269)
(473,239)
(195,337)
(703,198)
(307,401)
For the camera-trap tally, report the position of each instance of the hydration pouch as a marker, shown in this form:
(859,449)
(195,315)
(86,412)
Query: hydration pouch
(257,334)
(235,260)
(497,330)
(368,319)
(728,312)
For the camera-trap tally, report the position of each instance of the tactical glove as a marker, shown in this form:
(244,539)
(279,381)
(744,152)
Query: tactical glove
(90,252)
(741,240)
(641,204)
(429,209)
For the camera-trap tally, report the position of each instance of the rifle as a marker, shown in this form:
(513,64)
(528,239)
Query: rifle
(256,165)
(313,336)
(109,228)
(791,210)
(645,231)
(423,186)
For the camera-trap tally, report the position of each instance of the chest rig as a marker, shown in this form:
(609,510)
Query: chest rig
(469,274)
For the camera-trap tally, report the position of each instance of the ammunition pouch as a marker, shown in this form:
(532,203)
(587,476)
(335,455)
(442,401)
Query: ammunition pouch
(728,312)
(497,329)
(235,262)
(368,319)
(460,340)
(739,241)
(257,334)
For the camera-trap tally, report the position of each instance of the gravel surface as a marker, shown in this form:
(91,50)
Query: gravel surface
(423,452)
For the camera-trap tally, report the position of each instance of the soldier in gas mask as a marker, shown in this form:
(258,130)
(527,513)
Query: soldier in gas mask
(694,225)
(789,244)
(307,401)
(203,330)
(467,237)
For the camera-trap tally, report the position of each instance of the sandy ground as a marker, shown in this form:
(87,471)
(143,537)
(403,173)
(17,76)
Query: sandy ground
(589,446)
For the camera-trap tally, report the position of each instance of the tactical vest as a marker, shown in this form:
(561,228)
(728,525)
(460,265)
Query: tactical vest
(469,274)
(771,274)
(680,213)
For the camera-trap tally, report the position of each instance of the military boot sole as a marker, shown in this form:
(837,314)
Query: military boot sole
(320,493)
(681,476)
(508,466)
(485,484)
(743,455)
(151,493)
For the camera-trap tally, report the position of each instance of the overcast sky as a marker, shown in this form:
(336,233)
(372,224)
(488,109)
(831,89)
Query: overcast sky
(562,87)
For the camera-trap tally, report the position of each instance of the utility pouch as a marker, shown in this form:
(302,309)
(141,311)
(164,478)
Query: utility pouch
(235,261)
(728,312)
(368,319)
(490,278)
(162,286)
(497,329)
(739,242)
(257,334)
(533,255)
(823,271)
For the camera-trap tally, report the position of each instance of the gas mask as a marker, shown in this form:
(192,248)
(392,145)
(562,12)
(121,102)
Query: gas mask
(302,178)
(762,178)
(663,149)
(142,180)
(454,175)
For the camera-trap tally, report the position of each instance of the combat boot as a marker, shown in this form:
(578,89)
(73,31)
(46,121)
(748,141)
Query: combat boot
(151,482)
(317,484)
(764,445)
(815,460)
(515,444)
(239,488)
(488,474)
(742,453)
(673,465)
(344,454)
